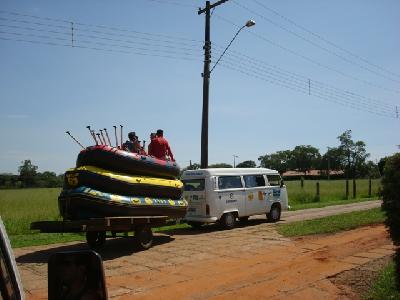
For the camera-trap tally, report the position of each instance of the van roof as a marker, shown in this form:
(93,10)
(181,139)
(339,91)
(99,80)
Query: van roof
(228,171)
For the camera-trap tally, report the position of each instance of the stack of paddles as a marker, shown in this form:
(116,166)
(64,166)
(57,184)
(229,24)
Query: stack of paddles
(109,182)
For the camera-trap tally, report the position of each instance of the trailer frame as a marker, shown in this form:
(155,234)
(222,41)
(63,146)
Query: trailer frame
(96,228)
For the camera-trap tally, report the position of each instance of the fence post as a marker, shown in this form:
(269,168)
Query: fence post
(354,188)
(302,182)
(317,196)
(369,187)
(347,189)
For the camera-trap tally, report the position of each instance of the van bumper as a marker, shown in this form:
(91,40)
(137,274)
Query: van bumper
(201,219)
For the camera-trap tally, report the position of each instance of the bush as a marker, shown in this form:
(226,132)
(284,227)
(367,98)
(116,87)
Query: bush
(391,204)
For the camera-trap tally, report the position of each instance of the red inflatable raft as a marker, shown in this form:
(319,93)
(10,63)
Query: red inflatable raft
(117,160)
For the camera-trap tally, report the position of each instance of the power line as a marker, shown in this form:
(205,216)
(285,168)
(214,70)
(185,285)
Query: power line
(324,39)
(233,60)
(110,28)
(299,78)
(303,87)
(336,100)
(261,37)
(313,43)
(172,3)
(101,49)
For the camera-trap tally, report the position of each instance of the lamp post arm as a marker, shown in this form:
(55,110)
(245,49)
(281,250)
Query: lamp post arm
(227,47)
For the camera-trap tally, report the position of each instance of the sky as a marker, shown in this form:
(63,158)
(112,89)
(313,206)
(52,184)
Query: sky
(306,72)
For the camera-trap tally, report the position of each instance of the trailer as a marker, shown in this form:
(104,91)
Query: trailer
(96,229)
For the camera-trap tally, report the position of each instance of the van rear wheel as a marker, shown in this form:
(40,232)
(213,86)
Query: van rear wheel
(228,221)
(274,214)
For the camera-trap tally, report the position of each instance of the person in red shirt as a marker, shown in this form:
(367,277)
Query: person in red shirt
(160,147)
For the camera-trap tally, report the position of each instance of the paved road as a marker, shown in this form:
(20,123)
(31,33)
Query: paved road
(214,264)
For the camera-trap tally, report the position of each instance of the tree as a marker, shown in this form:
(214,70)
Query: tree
(305,158)
(220,165)
(27,173)
(278,161)
(391,205)
(331,160)
(48,179)
(246,164)
(353,154)
(381,164)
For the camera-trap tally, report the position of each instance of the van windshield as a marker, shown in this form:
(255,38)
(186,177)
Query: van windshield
(193,185)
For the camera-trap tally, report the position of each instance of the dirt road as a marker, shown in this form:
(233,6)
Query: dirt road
(249,262)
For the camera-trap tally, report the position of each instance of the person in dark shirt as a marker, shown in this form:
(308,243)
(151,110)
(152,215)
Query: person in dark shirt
(149,147)
(160,147)
(132,145)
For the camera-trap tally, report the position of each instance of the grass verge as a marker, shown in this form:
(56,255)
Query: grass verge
(384,287)
(298,206)
(332,224)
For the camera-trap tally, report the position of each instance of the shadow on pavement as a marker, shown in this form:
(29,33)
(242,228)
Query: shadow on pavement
(113,248)
(214,227)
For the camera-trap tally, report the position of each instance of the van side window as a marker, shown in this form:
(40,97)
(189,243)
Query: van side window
(254,180)
(193,185)
(274,180)
(229,182)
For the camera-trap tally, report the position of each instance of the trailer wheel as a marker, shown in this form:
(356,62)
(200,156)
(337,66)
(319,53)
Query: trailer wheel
(95,239)
(144,236)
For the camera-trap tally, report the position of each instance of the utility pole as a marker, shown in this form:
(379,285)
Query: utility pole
(206,81)
(234,160)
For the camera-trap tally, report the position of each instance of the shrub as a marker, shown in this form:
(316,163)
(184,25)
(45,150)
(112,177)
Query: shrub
(391,204)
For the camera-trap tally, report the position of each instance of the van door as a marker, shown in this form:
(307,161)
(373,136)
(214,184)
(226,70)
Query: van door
(255,194)
(231,194)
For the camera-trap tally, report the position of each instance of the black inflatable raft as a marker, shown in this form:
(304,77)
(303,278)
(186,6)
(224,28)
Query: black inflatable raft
(85,203)
(117,160)
(122,184)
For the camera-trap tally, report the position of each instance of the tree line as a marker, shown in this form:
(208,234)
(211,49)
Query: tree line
(348,156)
(29,177)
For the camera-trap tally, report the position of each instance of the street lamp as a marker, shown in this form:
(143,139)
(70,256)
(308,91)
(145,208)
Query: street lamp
(234,161)
(206,75)
(249,23)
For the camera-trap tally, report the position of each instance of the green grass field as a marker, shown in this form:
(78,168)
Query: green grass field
(332,224)
(332,192)
(18,208)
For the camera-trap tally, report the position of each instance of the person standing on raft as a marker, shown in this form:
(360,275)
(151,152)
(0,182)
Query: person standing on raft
(159,147)
(133,145)
(152,137)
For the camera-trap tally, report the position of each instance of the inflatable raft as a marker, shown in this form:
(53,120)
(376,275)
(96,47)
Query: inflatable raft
(109,182)
(85,203)
(117,160)
(122,184)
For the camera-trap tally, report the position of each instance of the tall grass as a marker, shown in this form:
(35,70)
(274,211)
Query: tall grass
(18,208)
(330,191)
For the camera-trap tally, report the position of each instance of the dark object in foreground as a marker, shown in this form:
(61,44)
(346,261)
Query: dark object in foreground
(391,205)
(76,275)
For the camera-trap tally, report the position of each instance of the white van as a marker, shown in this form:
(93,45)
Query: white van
(227,194)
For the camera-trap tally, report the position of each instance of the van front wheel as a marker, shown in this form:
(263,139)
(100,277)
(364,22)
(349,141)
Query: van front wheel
(228,221)
(274,214)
